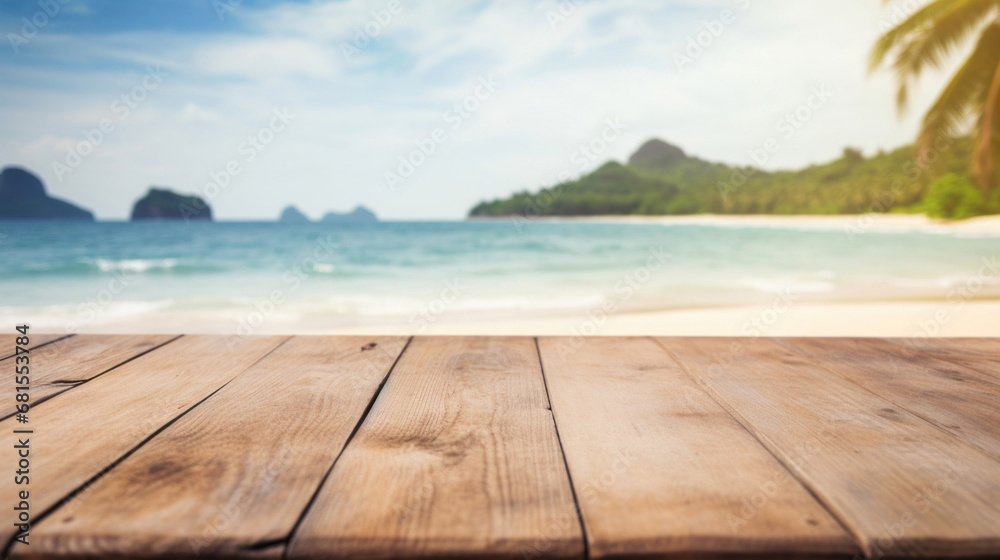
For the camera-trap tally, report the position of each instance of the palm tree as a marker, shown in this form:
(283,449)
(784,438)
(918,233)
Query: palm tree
(972,98)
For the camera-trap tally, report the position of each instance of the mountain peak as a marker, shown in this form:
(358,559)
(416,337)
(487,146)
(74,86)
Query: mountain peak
(656,153)
(291,214)
(164,204)
(19,182)
(359,214)
(22,196)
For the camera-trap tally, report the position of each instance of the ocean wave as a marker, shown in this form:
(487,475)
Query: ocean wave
(777,285)
(366,305)
(135,265)
(942,282)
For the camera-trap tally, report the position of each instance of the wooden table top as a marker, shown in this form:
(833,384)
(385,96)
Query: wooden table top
(152,446)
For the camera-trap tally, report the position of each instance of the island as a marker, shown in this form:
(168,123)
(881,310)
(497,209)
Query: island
(292,215)
(23,197)
(358,215)
(661,179)
(164,204)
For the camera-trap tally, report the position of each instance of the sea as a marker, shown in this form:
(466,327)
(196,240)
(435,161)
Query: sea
(228,277)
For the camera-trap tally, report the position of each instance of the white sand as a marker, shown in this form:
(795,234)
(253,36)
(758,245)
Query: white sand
(985,225)
(898,319)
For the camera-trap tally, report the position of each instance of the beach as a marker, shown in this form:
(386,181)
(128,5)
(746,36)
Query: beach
(876,223)
(876,275)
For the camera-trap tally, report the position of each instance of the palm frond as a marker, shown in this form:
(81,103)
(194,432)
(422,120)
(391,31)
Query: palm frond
(965,95)
(928,36)
(932,45)
(892,38)
(987,146)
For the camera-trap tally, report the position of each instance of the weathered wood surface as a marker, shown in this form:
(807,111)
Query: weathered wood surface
(233,475)
(271,447)
(900,484)
(58,366)
(644,443)
(458,456)
(960,400)
(7,342)
(981,354)
(88,428)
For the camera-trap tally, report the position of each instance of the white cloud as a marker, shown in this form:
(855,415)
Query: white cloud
(608,58)
(196,114)
(265,58)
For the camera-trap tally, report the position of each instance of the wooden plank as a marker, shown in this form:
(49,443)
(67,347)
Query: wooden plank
(957,399)
(61,365)
(236,472)
(902,486)
(80,433)
(7,342)
(660,468)
(458,457)
(980,354)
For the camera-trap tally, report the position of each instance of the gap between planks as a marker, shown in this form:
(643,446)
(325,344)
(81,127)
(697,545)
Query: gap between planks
(87,479)
(667,355)
(739,419)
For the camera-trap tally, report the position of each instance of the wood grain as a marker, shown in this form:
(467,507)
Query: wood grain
(901,485)
(458,457)
(660,468)
(80,433)
(236,472)
(7,342)
(980,354)
(957,399)
(59,366)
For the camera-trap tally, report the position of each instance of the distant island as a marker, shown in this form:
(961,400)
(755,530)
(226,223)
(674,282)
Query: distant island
(358,215)
(660,179)
(23,197)
(293,215)
(164,204)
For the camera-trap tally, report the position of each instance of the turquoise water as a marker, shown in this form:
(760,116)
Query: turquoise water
(212,277)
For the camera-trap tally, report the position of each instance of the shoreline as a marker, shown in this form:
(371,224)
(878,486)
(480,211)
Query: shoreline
(916,223)
(976,318)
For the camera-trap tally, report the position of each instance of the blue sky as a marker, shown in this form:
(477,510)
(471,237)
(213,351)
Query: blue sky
(258,104)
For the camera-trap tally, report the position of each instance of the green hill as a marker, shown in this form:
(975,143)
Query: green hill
(660,179)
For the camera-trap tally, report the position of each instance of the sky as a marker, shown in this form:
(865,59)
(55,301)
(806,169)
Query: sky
(420,110)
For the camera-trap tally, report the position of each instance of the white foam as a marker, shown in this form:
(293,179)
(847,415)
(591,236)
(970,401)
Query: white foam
(135,265)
